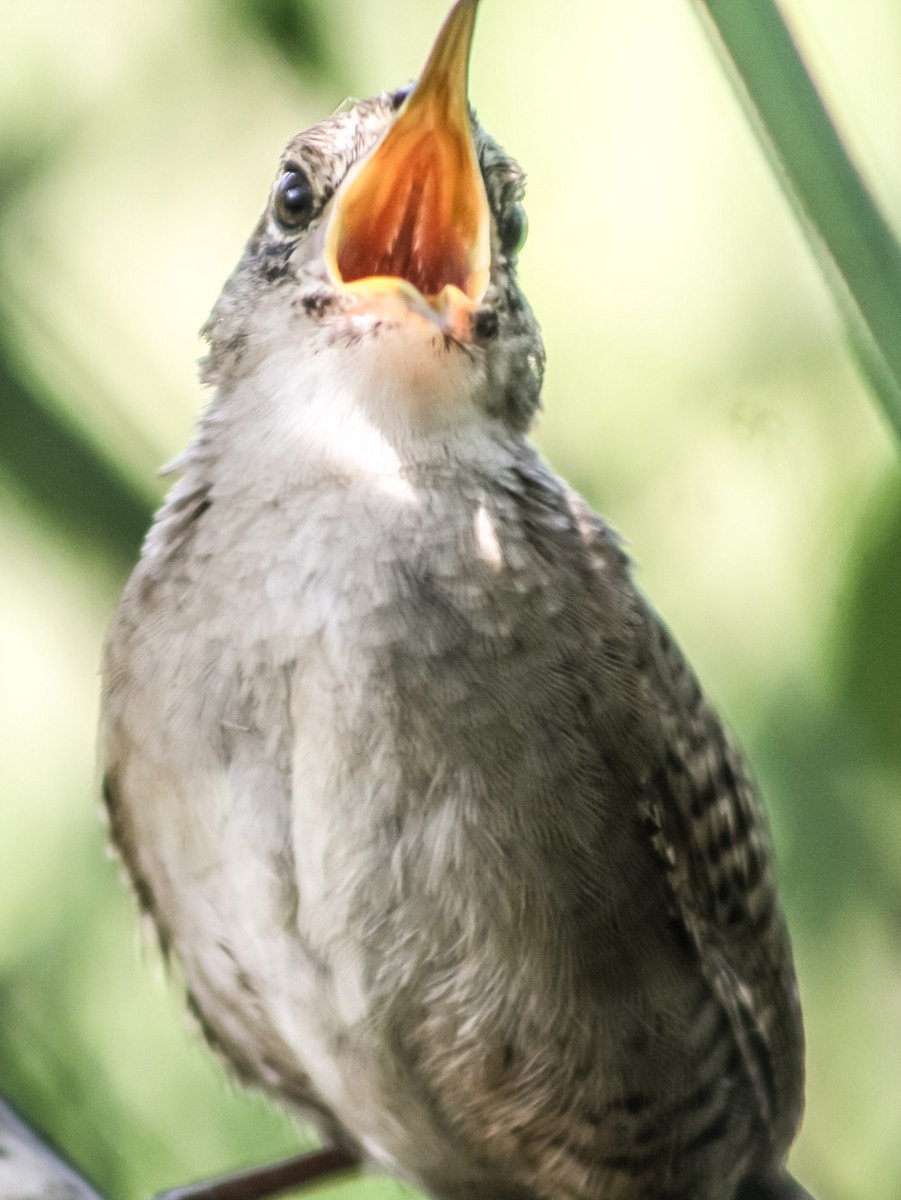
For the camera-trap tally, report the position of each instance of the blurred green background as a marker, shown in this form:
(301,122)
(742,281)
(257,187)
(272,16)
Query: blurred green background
(699,391)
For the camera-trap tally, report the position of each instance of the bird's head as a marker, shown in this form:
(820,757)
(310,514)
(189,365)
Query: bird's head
(388,253)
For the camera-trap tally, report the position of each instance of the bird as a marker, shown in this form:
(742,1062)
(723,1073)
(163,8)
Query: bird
(454,855)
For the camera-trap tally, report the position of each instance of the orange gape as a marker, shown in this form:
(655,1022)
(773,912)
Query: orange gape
(400,217)
(416,210)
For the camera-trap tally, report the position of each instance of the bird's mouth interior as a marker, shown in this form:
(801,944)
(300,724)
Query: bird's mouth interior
(414,214)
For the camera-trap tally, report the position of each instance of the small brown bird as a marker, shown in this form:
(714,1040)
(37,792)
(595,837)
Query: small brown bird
(455,855)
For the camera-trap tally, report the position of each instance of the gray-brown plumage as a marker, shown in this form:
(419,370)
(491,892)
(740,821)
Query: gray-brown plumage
(453,852)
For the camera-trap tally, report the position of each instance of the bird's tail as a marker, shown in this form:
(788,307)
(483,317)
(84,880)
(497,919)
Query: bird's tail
(772,1187)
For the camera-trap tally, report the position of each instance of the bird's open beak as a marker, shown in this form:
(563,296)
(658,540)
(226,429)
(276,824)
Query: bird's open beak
(411,224)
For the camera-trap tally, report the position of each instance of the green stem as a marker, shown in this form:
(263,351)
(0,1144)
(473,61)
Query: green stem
(852,239)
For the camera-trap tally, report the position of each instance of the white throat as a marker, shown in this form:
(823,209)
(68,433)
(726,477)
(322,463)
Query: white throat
(368,398)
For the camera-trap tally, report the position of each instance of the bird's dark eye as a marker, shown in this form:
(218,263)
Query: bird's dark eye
(399,96)
(512,229)
(294,199)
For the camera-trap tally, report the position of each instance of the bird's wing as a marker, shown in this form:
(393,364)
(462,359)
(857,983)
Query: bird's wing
(706,822)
